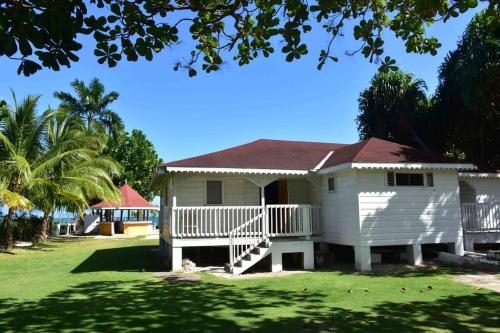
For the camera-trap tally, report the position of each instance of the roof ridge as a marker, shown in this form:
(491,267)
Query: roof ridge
(302,141)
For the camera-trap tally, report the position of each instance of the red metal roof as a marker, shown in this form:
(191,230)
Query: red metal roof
(298,155)
(130,199)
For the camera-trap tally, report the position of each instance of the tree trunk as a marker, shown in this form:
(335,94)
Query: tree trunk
(9,239)
(45,223)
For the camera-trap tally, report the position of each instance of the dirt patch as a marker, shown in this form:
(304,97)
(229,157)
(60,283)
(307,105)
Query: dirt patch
(219,271)
(177,277)
(481,280)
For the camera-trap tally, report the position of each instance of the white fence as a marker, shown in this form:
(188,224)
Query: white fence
(481,216)
(219,221)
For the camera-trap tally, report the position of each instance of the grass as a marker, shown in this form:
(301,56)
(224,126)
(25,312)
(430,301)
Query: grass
(107,286)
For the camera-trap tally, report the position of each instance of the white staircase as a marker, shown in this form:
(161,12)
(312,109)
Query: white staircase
(248,244)
(256,255)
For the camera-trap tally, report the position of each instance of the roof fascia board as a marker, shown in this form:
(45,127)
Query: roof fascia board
(238,171)
(452,166)
(418,166)
(125,208)
(479,175)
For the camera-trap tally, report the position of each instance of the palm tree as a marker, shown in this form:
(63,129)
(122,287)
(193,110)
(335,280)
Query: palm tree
(392,107)
(45,161)
(71,173)
(91,103)
(21,138)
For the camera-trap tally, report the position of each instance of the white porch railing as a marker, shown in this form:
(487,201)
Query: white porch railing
(481,216)
(219,221)
(293,220)
(244,238)
(210,221)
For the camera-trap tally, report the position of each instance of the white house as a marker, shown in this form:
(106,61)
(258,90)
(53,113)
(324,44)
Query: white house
(270,197)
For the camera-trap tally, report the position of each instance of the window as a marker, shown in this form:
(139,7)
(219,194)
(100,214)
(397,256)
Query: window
(214,192)
(430,179)
(405,179)
(331,184)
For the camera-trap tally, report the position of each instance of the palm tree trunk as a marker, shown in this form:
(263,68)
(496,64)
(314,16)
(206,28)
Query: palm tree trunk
(9,238)
(43,231)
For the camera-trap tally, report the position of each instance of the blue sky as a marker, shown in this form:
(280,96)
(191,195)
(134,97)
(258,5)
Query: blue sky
(269,98)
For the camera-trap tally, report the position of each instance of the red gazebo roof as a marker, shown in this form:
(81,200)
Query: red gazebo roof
(130,200)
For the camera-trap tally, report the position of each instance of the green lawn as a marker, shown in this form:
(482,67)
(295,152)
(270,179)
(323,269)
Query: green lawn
(107,285)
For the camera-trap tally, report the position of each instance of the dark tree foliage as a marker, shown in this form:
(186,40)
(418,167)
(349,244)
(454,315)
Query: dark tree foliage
(465,117)
(92,105)
(392,108)
(48,33)
(139,160)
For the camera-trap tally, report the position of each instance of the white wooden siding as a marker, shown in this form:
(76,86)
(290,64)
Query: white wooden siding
(235,191)
(480,190)
(408,215)
(339,208)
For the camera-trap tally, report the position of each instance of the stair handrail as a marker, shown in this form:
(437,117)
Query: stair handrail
(246,237)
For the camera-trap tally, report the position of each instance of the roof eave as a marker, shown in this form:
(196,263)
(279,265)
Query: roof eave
(479,175)
(173,169)
(414,166)
(125,208)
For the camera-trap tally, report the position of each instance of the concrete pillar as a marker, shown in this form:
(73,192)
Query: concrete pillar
(457,247)
(177,258)
(309,256)
(414,254)
(469,245)
(277,261)
(362,258)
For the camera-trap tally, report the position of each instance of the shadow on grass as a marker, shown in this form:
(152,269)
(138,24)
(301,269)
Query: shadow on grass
(121,259)
(155,305)
(111,306)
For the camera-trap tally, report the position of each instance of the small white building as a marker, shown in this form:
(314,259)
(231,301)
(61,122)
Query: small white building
(270,197)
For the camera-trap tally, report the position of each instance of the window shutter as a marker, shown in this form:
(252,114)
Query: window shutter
(214,192)
(430,179)
(390,178)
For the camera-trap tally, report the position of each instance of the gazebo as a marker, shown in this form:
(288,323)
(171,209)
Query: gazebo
(130,216)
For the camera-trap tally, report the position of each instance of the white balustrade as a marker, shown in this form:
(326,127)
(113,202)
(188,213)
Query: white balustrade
(481,216)
(219,221)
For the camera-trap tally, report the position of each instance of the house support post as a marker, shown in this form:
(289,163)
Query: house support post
(469,245)
(362,258)
(414,254)
(457,247)
(176,258)
(276,261)
(309,256)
